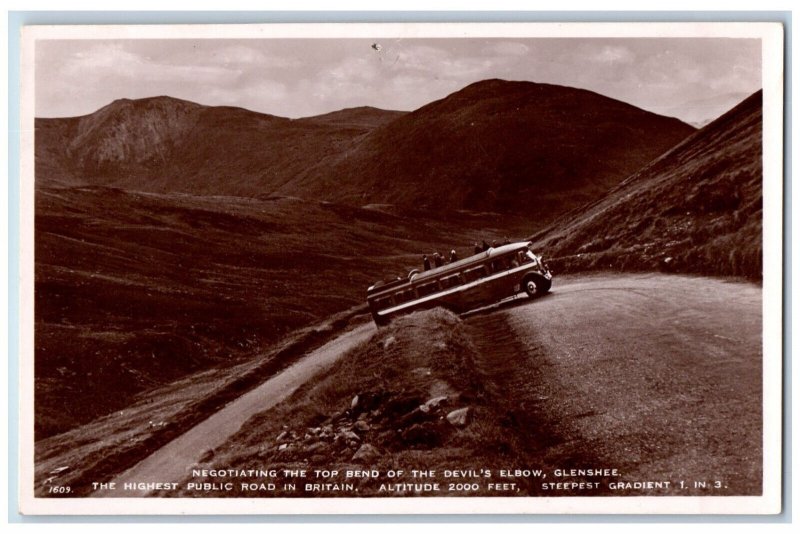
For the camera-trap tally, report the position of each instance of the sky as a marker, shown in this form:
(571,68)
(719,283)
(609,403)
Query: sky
(684,77)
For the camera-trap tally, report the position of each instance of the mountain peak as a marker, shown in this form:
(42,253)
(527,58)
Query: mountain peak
(160,101)
(361,116)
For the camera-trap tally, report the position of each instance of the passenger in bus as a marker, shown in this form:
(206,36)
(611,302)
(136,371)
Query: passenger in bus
(426,263)
(453,256)
(478,248)
(438,260)
(484,246)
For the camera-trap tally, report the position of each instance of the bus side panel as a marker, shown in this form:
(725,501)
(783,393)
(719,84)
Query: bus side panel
(502,287)
(486,292)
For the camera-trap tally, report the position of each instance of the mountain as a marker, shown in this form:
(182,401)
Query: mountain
(498,146)
(163,144)
(697,208)
(360,117)
(493,146)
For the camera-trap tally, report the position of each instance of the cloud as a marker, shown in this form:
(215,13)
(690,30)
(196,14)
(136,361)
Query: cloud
(248,56)
(613,54)
(507,48)
(421,58)
(113,60)
(258,95)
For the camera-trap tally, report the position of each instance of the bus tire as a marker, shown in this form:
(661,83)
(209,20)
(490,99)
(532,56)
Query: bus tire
(535,286)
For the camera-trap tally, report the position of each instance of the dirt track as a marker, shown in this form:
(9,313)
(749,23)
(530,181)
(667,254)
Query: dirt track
(174,461)
(658,376)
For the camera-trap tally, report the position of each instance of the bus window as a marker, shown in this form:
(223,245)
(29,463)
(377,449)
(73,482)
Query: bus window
(501,264)
(404,296)
(477,273)
(427,289)
(385,302)
(450,281)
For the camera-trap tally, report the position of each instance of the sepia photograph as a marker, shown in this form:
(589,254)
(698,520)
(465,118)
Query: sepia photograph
(401,268)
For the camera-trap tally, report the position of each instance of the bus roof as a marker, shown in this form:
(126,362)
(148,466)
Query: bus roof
(455,266)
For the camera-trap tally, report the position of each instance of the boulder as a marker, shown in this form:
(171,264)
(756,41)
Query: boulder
(433,403)
(351,436)
(315,447)
(366,453)
(361,425)
(459,417)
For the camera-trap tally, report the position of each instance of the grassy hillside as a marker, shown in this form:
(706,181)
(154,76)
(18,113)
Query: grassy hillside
(496,145)
(696,209)
(134,290)
(165,145)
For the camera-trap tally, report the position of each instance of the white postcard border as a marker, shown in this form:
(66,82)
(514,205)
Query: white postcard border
(771,35)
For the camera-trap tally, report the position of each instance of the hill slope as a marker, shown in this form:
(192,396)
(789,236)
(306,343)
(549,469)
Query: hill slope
(493,146)
(134,290)
(695,209)
(163,144)
(497,146)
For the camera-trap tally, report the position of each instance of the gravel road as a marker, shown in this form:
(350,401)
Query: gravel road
(658,376)
(172,462)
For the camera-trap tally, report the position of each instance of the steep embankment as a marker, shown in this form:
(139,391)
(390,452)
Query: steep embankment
(695,209)
(407,398)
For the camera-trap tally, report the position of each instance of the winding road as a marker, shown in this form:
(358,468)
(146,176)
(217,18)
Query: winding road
(657,376)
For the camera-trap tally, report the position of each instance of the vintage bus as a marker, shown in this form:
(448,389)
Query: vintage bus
(466,284)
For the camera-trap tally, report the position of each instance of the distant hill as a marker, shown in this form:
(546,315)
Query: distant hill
(360,117)
(163,145)
(496,146)
(493,146)
(697,208)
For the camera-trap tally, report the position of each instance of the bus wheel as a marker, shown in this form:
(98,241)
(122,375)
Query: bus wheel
(531,287)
